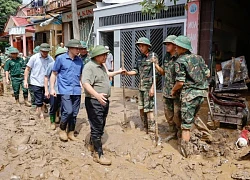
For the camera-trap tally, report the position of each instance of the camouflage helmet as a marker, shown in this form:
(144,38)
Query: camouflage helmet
(184,42)
(84,44)
(60,50)
(98,50)
(44,47)
(170,39)
(143,40)
(36,49)
(74,43)
(13,50)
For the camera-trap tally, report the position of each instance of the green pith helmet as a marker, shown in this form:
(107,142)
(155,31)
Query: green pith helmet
(74,43)
(13,51)
(143,40)
(60,50)
(84,44)
(44,47)
(170,39)
(99,50)
(184,42)
(36,49)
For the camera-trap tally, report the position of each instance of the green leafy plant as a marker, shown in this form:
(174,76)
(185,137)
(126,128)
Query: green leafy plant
(153,7)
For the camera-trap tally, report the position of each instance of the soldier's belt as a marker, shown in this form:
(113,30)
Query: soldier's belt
(17,76)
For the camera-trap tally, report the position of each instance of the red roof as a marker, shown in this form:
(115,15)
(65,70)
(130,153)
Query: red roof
(19,21)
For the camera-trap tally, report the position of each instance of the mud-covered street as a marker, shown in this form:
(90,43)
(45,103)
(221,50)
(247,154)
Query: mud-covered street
(30,150)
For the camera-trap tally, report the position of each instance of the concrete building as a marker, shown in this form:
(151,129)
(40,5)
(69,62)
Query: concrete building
(120,25)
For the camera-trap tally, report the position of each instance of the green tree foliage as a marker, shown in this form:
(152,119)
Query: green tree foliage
(7,8)
(153,7)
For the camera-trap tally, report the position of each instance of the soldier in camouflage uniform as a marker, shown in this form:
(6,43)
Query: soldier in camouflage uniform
(172,104)
(15,67)
(191,78)
(84,53)
(144,68)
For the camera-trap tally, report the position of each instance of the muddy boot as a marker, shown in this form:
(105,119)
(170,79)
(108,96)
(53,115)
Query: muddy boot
(98,154)
(171,132)
(151,126)
(71,129)
(101,159)
(26,102)
(1,89)
(52,120)
(186,148)
(62,134)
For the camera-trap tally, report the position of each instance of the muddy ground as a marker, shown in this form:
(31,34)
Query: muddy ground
(30,150)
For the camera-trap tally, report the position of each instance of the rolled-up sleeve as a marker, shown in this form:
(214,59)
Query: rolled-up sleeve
(180,72)
(136,67)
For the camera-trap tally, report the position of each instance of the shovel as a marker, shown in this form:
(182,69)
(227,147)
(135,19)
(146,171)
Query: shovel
(157,140)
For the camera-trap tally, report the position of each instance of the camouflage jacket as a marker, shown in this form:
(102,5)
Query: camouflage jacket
(192,70)
(85,59)
(169,69)
(144,67)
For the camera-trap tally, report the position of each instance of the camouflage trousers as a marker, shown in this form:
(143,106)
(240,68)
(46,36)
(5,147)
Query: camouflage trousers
(172,110)
(189,109)
(145,102)
(17,82)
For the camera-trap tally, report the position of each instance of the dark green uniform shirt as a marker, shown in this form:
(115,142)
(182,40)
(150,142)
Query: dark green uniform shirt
(96,75)
(144,67)
(169,69)
(15,67)
(192,70)
(85,59)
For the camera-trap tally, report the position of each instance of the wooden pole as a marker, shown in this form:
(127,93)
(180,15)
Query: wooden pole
(75,24)
(123,92)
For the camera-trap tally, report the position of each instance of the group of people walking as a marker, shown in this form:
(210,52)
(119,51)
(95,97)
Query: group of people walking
(60,82)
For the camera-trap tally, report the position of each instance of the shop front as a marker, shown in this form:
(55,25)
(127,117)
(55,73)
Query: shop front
(85,20)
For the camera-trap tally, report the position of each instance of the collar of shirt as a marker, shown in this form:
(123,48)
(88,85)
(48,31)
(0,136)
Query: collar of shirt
(98,65)
(40,56)
(69,58)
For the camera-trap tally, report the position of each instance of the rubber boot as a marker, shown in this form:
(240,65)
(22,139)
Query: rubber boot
(71,129)
(52,120)
(62,134)
(1,89)
(98,154)
(151,125)
(17,101)
(26,102)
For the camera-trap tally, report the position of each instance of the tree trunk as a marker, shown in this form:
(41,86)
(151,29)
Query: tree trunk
(76,33)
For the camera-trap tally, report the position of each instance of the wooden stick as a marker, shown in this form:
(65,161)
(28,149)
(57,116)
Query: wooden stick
(123,92)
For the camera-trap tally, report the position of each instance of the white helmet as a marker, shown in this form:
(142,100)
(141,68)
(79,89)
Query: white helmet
(241,142)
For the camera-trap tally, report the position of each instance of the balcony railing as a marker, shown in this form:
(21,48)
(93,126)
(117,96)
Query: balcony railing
(36,11)
(57,4)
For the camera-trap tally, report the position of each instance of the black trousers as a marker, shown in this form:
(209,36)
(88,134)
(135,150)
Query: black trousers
(97,115)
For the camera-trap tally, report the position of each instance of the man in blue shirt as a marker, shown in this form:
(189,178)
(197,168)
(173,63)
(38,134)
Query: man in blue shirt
(55,102)
(68,71)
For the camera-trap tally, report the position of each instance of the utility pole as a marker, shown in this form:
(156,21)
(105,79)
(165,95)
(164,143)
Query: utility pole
(76,33)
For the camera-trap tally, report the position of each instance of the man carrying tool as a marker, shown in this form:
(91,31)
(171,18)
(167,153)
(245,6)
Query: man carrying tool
(172,104)
(15,68)
(191,78)
(144,67)
(97,90)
